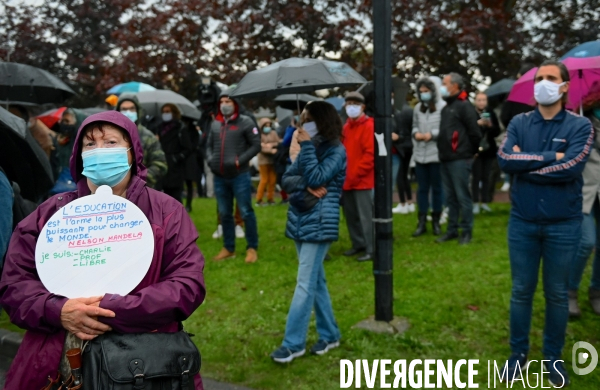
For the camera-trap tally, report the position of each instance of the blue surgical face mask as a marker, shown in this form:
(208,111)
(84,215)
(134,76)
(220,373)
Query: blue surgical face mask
(444,91)
(266,129)
(597,113)
(132,115)
(310,128)
(425,96)
(106,166)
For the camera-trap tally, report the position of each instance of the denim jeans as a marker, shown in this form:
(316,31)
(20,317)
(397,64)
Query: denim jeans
(240,188)
(455,176)
(528,243)
(311,291)
(590,239)
(429,177)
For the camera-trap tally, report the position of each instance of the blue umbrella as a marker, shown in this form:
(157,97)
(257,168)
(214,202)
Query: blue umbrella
(588,49)
(337,102)
(132,86)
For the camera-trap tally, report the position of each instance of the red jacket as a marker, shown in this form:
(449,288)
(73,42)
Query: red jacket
(359,140)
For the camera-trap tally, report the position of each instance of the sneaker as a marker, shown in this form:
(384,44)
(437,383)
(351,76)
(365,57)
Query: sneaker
(270,203)
(365,257)
(218,233)
(285,355)
(411,207)
(239,232)
(476,209)
(485,207)
(558,376)
(444,217)
(223,255)
(400,209)
(505,187)
(258,204)
(251,255)
(322,347)
(516,364)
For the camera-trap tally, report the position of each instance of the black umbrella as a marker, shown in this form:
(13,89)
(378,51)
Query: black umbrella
(291,101)
(25,84)
(296,75)
(22,158)
(152,102)
(501,87)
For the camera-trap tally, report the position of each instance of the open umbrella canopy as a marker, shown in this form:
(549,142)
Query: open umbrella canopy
(152,102)
(132,86)
(25,84)
(582,71)
(337,102)
(501,87)
(22,158)
(296,75)
(291,101)
(588,49)
(52,117)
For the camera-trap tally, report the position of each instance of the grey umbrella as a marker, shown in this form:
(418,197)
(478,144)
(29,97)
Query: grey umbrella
(296,75)
(22,158)
(152,102)
(25,84)
(501,87)
(291,101)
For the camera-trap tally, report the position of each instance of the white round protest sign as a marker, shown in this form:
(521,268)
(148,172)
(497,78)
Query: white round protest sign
(97,244)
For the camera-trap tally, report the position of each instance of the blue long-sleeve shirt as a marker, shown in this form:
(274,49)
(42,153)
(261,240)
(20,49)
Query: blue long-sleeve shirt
(545,190)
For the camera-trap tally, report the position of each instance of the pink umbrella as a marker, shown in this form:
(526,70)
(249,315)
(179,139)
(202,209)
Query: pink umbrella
(583,71)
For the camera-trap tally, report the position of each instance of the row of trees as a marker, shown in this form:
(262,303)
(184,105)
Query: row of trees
(95,44)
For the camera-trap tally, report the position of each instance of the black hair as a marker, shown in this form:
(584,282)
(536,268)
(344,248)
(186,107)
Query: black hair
(326,118)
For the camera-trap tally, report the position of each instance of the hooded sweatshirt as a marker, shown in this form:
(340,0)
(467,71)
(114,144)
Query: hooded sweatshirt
(154,157)
(426,152)
(232,143)
(169,293)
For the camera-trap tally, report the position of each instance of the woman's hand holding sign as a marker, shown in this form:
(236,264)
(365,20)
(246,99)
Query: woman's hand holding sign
(80,317)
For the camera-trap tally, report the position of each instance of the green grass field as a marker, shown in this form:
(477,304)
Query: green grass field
(455,298)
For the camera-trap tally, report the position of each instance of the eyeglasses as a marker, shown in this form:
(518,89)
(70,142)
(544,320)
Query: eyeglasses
(132,109)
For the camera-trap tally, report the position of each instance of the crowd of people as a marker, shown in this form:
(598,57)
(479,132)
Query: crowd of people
(318,164)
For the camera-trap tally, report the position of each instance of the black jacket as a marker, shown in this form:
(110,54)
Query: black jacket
(231,144)
(490,133)
(403,121)
(177,146)
(459,135)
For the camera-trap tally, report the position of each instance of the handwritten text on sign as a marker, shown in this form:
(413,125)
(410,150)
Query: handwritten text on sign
(96,244)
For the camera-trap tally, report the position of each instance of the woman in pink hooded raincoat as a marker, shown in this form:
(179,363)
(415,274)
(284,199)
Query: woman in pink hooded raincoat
(169,293)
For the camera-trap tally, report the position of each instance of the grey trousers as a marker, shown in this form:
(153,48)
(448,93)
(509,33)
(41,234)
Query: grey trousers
(358,211)
(210,184)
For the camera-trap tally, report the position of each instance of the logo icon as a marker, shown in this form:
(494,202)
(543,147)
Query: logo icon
(580,358)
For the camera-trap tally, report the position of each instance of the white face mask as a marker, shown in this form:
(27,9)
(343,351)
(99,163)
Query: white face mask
(546,92)
(353,111)
(310,128)
(167,117)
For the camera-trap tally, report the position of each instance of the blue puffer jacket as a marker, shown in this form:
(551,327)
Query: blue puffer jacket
(320,163)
